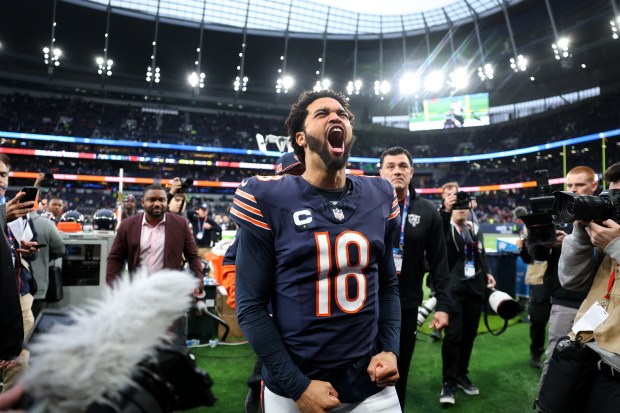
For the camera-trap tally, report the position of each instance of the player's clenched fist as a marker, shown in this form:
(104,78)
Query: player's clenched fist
(383,369)
(319,397)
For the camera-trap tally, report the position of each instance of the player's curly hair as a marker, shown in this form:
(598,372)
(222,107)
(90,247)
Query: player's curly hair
(299,110)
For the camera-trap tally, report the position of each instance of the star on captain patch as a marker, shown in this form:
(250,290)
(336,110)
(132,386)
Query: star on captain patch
(413,219)
(338,213)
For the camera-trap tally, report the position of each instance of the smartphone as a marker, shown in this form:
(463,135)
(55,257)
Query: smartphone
(31,193)
(40,246)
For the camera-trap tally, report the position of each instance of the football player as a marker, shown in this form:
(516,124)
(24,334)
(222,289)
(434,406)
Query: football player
(316,247)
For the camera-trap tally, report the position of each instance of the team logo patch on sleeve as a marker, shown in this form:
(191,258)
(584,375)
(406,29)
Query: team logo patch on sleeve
(303,220)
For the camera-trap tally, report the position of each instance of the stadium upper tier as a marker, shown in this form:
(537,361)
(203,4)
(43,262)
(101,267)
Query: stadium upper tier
(89,119)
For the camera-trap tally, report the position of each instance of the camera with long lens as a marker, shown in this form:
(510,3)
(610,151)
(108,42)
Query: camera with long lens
(427,307)
(569,207)
(540,225)
(463,201)
(186,184)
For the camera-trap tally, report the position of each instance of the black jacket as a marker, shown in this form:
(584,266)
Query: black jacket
(11,324)
(424,242)
(551,281)
(474,287)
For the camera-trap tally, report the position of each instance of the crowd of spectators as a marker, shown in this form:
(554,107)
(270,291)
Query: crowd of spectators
(73,116)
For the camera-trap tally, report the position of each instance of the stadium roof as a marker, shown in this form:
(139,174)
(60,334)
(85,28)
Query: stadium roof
(129,34)
(311,18)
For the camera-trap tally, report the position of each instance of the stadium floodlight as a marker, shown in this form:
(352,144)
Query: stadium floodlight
(382,87)
(322,85)
(560,49)
(240,84)
(52,56)
(153,75)
(105,66)
(196,80)
(433,82)
(518,64)
(284,83)
(458,79)
(485,72)
(354,87)
(409,84)
(614,29)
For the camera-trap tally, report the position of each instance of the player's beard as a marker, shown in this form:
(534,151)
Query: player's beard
(333,163)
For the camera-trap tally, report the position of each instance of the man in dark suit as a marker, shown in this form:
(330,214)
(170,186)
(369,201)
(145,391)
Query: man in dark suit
(11,324)
(154,240)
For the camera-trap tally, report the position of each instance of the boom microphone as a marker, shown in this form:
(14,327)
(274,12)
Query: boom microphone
(75,365)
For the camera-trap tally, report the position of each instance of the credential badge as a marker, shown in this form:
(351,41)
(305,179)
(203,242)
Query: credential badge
(338,213)
(413,219)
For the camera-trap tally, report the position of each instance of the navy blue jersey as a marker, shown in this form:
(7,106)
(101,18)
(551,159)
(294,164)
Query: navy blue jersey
(330,264)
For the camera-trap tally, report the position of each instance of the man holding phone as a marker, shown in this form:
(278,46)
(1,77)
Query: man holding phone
(15,316)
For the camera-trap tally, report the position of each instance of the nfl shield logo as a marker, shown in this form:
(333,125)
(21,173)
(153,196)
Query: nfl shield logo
(338,213)
(413,219)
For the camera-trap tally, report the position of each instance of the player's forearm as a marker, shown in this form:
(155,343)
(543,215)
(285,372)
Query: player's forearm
(389,316)
(263,336)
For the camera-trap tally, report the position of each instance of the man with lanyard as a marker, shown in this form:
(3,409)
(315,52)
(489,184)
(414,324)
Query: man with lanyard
(19,234)
(204,229)
(469,279)
(420,240)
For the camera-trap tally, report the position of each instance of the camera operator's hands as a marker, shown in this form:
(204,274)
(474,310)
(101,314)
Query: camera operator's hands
(559,237)
(490,281)
(602,235)
(10,398)
(449,201)
(176,185)
(439,321)
(319,397)
(15,209)
(383,369)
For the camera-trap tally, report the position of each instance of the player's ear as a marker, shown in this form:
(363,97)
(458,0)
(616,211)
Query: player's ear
(300,138)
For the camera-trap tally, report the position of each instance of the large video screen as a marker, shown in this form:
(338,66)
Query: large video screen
(451,112)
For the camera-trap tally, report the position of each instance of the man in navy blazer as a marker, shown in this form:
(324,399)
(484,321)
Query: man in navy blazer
(139,242)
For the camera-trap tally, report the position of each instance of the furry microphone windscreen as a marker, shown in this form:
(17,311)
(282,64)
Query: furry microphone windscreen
(73,366)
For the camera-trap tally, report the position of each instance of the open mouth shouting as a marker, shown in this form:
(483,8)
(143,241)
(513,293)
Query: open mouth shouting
(335,138)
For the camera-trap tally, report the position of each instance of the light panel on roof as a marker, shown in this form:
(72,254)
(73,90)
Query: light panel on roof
(309,18)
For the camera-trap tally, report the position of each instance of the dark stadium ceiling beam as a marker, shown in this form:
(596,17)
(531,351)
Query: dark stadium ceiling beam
(153,74)
(614,22)
(52,53)
(241,81)
(285,81)
(104,64)
(197,77)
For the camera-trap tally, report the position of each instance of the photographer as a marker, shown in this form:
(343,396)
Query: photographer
(580,180)
(204,228)
(469,280)
(584,268)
